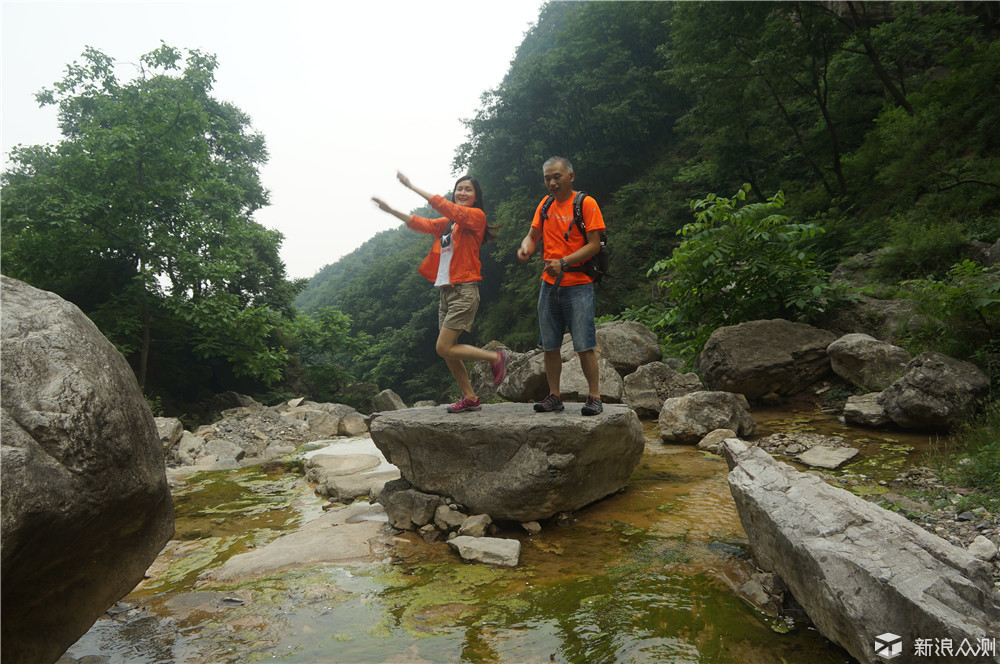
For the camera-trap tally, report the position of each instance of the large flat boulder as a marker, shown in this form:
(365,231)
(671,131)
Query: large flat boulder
(510,462)
(344,535)
(85,502)
(858,570)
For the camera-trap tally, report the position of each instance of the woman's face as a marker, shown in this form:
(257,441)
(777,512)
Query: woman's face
(465,193)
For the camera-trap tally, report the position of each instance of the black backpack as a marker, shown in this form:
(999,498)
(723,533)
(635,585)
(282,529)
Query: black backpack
(597,265)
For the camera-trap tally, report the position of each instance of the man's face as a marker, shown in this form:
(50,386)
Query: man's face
(558,180)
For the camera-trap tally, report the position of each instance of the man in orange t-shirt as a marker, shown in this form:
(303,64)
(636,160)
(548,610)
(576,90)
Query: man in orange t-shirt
(566,298)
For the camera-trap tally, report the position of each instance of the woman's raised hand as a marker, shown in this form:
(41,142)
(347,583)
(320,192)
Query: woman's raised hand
(405,180)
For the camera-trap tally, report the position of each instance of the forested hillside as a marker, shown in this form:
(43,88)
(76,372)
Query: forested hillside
(783,138)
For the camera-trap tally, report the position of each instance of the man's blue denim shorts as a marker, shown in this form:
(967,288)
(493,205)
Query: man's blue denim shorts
(572,308)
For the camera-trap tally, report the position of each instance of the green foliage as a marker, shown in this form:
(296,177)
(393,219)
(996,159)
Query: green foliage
(942,161)
(980,439)
(324,346)
(764,107)
(393,309)
(741,261)
(142,216)
(405,358)
(962,313)
(584,86)
(155,406)
(920,247)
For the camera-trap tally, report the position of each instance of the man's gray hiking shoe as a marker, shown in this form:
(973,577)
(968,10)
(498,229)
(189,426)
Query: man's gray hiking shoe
(549,404)
(592,407)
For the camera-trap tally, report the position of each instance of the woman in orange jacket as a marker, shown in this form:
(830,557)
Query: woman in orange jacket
(453,266)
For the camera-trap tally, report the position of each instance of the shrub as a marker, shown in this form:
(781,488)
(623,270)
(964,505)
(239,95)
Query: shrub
(741,261)
(919,247)
(980,437)
(963,313)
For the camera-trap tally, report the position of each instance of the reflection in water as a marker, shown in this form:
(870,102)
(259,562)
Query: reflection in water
(646,575)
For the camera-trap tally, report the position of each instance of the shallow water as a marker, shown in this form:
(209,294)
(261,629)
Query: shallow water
(646,575)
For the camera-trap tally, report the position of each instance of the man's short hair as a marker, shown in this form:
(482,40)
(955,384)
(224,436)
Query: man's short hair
(564,160)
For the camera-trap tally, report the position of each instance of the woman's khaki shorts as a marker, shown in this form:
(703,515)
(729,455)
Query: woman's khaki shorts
(459,304)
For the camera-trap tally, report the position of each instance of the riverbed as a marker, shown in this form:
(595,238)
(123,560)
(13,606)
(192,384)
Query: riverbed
(647,575)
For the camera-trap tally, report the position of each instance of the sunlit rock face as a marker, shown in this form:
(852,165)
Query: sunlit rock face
(510,462)
(858,570)
(85,502)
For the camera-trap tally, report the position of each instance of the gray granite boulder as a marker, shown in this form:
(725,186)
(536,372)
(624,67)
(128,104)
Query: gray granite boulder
(936,392)
(170,430)
(488,550)
(388,400)
(858,570)
(865,410)
(627,345)
(509,461)
(765,357)
(526,380)
(334,419)
(689,418)
(85,503)
(651,384)
(866,361)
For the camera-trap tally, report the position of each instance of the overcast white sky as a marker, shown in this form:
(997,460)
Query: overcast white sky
(345,93)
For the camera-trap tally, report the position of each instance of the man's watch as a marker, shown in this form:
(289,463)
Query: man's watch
(563,264)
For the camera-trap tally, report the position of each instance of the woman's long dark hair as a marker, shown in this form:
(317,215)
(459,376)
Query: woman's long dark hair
(491,231)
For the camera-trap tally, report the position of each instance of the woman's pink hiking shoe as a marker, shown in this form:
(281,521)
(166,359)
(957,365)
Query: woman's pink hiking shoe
(465,404)
(500,367)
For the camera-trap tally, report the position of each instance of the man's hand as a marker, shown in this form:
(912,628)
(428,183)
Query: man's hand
(528,245)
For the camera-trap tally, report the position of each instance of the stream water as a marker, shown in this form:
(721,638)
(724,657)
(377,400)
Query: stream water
(646,575)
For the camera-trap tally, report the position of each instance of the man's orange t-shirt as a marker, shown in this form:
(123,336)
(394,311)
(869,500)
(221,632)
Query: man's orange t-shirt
(561,237)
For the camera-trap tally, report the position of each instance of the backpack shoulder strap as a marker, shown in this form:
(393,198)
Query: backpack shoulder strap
(544,212)
(578,212)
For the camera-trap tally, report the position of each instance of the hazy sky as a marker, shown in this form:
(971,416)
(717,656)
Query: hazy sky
(345,93)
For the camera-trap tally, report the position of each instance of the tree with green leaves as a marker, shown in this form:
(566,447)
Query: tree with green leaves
(763,88)
(142,215)
(326,349)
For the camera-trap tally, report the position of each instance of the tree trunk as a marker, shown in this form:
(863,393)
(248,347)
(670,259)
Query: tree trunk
(144,349)
(863,34)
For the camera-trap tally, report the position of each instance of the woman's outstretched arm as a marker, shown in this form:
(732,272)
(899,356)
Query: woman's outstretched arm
(409,185)
(385,207)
